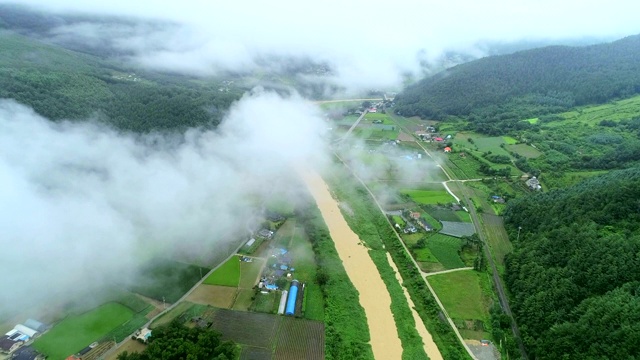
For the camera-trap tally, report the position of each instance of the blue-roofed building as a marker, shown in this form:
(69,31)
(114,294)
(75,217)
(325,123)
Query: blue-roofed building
(271,287)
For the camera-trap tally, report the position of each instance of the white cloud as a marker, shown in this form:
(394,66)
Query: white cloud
(368,43)
(82,204)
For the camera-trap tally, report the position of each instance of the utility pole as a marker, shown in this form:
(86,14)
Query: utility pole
(164,305)
(519,228)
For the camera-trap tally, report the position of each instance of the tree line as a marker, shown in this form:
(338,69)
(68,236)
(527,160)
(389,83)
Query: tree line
(574,274)
(497,92)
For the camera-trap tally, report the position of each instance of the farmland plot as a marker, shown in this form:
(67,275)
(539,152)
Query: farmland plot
(457,229)
(300,339)
(445,249)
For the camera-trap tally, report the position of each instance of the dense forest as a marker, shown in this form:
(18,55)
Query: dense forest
(497,92)
(574,274)
(63,84)
(175,341)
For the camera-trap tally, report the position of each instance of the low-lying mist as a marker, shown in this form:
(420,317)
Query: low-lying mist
(83,205)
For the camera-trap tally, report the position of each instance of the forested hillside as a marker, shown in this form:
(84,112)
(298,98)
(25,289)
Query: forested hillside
(497,92)
(574,274)
(62,84)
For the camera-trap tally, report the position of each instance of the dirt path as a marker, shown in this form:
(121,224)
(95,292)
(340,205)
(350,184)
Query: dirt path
(429,345)
(448,271)
(374,296)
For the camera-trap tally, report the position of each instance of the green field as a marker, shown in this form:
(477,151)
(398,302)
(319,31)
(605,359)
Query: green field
(249,272)
(443,214)
(172,314)
(78,331)
(464,167)
(283,236)
(461,294)
(496,237)
(525,150)
(305,266)
(425,255)
(228,274)
(463,215)
(532,121)
(509,140)
(592,115)
(429,196)
(398,220)
(445,249)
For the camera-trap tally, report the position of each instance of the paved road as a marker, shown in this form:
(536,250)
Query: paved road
(117,345)
(422,273)
(502,296)
(346,135)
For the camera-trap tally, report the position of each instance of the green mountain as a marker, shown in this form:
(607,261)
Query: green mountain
(64,84)
(496,92)
(574,275)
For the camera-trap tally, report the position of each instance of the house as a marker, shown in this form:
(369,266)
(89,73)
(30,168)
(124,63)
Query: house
(415,215)
(410,229)
(497,199)
(26,353)
(145,334)
(265,233)
(533,183)
(439,139)
(8,345)
(447,149)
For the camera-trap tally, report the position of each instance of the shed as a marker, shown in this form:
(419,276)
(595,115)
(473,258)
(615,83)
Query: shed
(36,325)
(447,149)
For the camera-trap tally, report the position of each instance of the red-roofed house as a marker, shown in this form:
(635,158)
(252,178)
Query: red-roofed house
(447,149)
(439,139)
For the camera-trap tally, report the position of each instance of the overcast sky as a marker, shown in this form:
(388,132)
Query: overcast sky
(369,43)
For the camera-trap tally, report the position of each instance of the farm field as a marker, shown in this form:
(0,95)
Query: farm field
(261,333)
(172,314)
(592,115)
(228,274)
(214,295)
(168,279)
(78,331)
(445,249)
(282,237)
(464,216)
(496,237)
(442,214)
(300,340)
(435,196)
(569,178)
(457,228)
(425,255)
(243,300)
(461,294)
(525,150)
(464,167)
(249,272)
